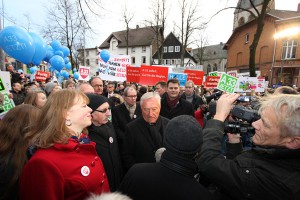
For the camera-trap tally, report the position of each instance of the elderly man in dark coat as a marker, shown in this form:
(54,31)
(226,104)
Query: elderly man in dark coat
(173,176)
(144,135)
(127,112)
(102,133)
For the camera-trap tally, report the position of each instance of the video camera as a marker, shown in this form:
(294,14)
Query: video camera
(214,96)
(244,117)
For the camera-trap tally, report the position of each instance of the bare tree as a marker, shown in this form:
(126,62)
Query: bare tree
(200,42)
(66,24)
(127,17)
(189,24)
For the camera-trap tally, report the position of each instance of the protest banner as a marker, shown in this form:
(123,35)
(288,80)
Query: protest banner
(5,87)
(115,68)
(132,74)
(41,76)
(211,81)
(149,75)
(232,73)
(84,73)
(195,76)
(246,84)
(227,83)
(215,73)
(180,76)
(5,77)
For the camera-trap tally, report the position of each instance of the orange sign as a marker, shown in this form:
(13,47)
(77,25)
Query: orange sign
(41,76)
(195,75)
(149,75)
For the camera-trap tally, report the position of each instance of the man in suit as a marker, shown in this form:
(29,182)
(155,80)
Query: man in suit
(125,113)
(144,135)
(171,103)
(110,89)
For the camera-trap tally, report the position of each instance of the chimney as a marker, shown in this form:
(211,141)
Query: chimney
(298,10)
(137,26)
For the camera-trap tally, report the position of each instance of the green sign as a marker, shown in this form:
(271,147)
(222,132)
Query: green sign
(7,104)
(227,83)
(2,86)
(213,74)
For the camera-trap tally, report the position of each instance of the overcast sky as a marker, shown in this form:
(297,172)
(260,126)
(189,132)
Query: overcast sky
(219,29)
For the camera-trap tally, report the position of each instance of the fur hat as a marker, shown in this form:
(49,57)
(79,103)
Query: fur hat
(49,87)
(183,136)
(96,101)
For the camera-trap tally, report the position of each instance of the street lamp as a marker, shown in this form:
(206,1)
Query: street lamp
(282,34)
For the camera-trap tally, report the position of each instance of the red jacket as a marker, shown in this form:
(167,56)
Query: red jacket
(63,171)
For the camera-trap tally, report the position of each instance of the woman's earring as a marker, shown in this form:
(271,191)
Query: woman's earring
(68,122)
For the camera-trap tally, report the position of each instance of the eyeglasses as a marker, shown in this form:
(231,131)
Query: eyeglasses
(104,110)
(133,96)
(95,86)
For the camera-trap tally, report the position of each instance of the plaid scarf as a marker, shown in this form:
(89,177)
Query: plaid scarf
(131,109)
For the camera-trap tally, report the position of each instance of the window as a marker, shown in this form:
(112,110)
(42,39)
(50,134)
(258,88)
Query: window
(247,38)
(173,62)
(177,48)
(133,60)
(165,49)
(87,53)
(133,50)
(113,45)
(289,49)
(143,49)
(171,48)
(143,59)
(87,62)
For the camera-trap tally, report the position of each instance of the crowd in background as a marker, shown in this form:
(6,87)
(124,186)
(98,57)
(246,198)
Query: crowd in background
(78,140)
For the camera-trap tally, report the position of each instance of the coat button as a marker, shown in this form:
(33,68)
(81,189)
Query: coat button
(247,171)
(102,182)
(77,150)
(93,163)
(96,158)
(104,175)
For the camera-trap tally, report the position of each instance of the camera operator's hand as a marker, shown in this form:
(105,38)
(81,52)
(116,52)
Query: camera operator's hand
(234,138)
(224,106)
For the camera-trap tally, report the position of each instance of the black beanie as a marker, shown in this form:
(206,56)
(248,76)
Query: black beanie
(96,101)
(183,136)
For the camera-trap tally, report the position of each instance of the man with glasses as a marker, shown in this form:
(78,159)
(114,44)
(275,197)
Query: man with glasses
(97,84)
(110,90)
(103,134)
(125,113)
(190,95)
(144,135)
(171,103)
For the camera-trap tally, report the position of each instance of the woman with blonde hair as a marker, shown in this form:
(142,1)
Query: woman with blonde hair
(65,165)
(36,98)
(13,147)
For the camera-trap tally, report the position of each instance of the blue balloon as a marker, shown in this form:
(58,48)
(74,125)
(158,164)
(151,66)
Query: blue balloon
(65,50)
(66,59)
(105,55)
(59,53)
(57,62)
(17,43)
(76,75)
(33,70)
(64,73)
(51,68)
(74,70)
(57,73)
(56,45)
(68,66)
(40,48)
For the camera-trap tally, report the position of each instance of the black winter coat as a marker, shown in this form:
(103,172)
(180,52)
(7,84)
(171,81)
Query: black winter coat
(107,148)
(171,178)
(182,108)
(139,147)
(197,100)
(258,174)
(121,117)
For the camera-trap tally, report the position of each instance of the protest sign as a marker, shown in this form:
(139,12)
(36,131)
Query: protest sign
(211,81)
(41,76)
(84,73)
(149,75)
(115,68)
(5,77)
(215,73)
(232,73)
(246,84)
(132,74)
(227,83)
(195,76)
(180,76)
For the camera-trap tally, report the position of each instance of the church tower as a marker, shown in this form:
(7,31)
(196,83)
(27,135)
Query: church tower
(242,17)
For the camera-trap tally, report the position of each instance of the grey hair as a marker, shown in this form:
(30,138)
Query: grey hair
(149,95)
(287,111)
(127,89)
(109,196)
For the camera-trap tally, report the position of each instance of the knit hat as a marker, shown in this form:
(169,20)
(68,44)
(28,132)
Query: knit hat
(96,101)
(49,87)
(183,136)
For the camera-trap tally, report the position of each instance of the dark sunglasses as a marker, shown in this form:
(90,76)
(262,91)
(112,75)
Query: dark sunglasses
(104,110)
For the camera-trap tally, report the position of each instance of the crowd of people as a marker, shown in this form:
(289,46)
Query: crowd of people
(120,140)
